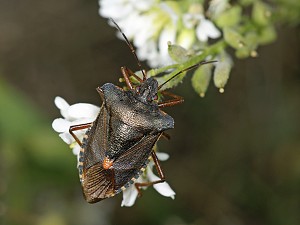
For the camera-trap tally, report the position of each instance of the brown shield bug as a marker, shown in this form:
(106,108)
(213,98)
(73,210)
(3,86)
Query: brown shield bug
(119,143)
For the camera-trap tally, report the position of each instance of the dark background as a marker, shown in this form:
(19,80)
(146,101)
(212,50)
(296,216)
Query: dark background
(235,157)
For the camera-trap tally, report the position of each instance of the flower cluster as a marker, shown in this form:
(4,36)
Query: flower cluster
(151,24)
(81,113)
(189,27)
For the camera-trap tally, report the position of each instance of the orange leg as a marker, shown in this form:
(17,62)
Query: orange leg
(127,73)
(176,100)
(78,127)
(160,174)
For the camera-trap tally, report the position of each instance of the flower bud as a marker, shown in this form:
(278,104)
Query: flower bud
(242,53)
(230,17)
(261,13)
(233,38)
(267,35)
(222,71)
(201,78)
(249,49)
(177,53)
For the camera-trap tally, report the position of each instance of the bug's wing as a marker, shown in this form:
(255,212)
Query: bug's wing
(97,183)
(96,142)
(130,163)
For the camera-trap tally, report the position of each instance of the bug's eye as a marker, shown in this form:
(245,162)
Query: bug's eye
(155,97)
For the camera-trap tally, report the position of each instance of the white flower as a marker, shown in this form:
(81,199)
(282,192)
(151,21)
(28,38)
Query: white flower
(151,24)
(76,114)
(131,193)
(81,113)
(204,28)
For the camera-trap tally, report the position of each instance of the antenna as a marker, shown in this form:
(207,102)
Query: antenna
(130,46)
(186,69)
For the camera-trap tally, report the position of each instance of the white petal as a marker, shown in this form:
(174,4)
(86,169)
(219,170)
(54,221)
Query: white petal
(143,5)
(212,31)
(61,125)
(67,138)
(162,156)
(129,196)
(145,29)
(170,11)
(201,33)
(63,106)
(130,25)
(162,188)
(148,51)
(61,103)
(156,62)
(168,34)
(83,110)
(207,29)
(76,151)
(116,10)
(81,121)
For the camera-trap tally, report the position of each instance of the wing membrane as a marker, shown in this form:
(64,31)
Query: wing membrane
(98,183)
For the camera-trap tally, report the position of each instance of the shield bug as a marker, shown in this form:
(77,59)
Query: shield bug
(118,145)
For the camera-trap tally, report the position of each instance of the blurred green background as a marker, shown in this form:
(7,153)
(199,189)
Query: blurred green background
(235,157)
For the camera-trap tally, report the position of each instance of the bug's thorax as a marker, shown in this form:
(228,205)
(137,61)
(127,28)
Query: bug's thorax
(134,109)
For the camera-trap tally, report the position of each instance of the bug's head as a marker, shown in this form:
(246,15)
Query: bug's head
(147,90)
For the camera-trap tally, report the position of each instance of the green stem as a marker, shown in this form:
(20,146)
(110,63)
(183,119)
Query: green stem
(155,72)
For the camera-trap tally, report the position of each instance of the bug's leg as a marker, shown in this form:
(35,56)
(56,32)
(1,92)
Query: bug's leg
(160,174)
(78,127)
(166,136)
(176,99)
(127,73)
